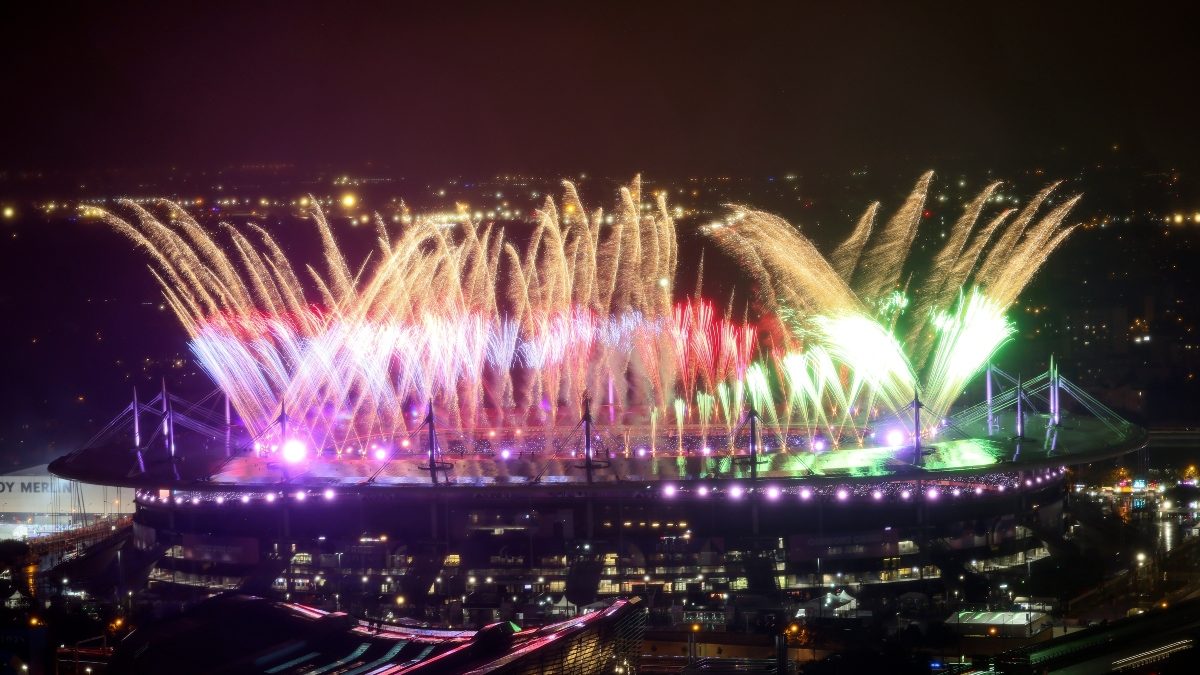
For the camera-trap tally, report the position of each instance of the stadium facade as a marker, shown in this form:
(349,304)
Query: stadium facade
(475,536)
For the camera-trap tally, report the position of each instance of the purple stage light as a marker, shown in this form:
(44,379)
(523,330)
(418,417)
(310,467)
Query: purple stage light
(328,493)
(735,492)
(668,491)
(819,444)
(842,495)
(270,497)
(294,451)
(245,499)
(895,437)
(772,493)
(876,495)
(381,454)
(505,454)
(805,494)
(905,494)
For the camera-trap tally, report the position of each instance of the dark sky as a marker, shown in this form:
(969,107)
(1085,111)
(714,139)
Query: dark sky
(448,87)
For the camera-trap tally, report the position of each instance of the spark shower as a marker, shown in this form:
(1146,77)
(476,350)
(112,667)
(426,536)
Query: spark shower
(504,337)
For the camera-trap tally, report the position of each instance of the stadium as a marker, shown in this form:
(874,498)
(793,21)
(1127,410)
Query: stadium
(508,530)
(474,430)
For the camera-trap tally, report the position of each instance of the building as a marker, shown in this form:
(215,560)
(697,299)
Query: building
(34,502)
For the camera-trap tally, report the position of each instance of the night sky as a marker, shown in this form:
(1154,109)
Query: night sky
(447,88)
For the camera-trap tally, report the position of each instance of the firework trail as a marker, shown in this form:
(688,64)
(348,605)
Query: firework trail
(490,333)
(501,336)
(850,303)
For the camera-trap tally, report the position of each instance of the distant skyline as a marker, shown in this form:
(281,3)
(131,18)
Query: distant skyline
(665,87)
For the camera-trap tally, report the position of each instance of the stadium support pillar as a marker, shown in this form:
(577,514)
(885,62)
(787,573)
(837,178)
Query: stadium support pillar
(137,422)
(1020,422)
(587,436)
(918,460)
(1055,409)
(991,417)
(587,460)
(137,433)
(432,443)
(753,415)
(228,428)
(282,423)
(168,421)
(753,419)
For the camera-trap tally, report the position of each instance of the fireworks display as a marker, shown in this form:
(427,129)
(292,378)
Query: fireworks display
(929,336)
(503,338)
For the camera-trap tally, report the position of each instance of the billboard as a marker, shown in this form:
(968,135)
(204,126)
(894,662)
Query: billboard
(34,493)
